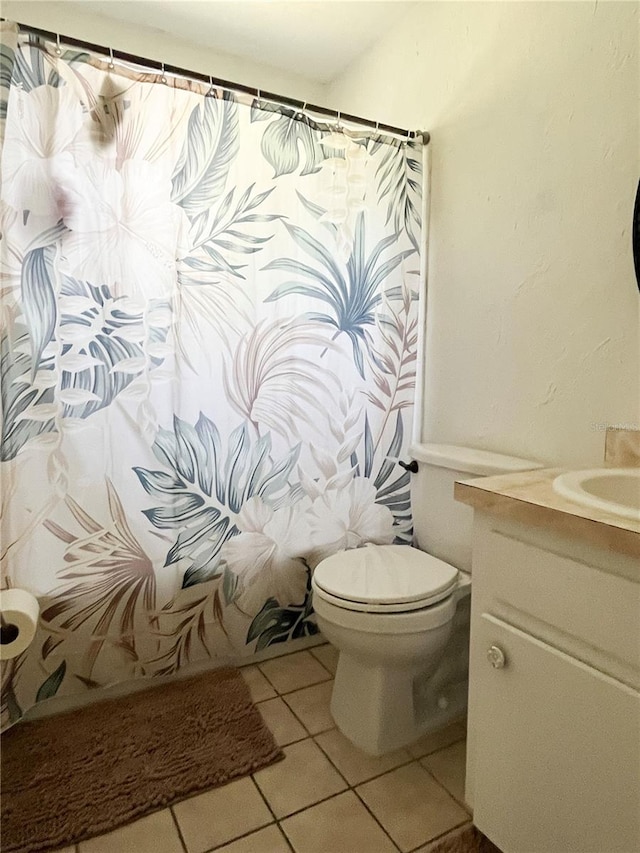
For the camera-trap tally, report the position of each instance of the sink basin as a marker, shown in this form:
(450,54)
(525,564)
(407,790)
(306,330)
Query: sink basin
(613,490)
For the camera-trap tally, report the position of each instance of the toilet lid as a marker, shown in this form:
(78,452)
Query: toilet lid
(385,577)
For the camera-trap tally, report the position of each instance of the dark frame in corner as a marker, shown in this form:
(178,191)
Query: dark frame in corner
(635,236)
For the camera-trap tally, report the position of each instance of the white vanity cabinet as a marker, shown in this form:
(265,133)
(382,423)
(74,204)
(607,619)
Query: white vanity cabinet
(554,701)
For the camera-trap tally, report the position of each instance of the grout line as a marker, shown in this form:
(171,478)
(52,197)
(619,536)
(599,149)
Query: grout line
(312,684)
(352,788)
(179,831)
(377,820)
(449,834)
(307,686)
(332,763)
(303,687)
(439,748)
(266,677)
(238,837)
(286,838)
(277,822)
(266,698)
(305,736)
(308,734)
(272,822)
(462,804)
(410,760)
(262,701)
(332,674)
(290,692)
(312,805)
(302,722)
(266,801)
(283,746)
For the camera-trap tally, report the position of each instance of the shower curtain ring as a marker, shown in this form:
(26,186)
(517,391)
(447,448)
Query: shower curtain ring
(258,99)
(58,48)
(303,110)
(210,92)
(163,78)
(111,66)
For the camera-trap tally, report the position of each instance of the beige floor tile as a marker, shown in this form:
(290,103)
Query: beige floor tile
(311,706)
(259,687)
(282,722)
(339,825)
(267,840)
(291,672)
(327,655)
(411,806)
(155,833)
(221,815)
(439,739)
(304,778)
(449,767)
(356,766)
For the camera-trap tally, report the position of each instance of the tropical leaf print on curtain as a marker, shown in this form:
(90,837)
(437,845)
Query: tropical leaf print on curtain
(211,144)
(399,183)
(352,290)
(275,624)
(102,351)
(272,385)
(208,356)
(206,488)
(108,574)
(288,142)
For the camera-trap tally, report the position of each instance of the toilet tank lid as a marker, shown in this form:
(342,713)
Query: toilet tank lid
(470,460)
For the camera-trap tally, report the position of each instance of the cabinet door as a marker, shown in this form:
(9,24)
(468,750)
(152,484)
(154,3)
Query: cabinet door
(557,749)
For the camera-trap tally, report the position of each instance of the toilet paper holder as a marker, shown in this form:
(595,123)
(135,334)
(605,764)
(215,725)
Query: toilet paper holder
(8,631)
(19,615)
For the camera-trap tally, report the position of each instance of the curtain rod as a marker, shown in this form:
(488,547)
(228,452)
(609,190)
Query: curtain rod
(281,100)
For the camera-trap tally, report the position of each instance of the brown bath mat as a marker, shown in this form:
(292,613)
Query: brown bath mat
(89,771)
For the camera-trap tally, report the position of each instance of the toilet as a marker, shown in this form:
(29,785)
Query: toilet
(399,615)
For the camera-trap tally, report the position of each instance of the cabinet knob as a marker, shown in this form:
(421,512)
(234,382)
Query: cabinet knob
(496,657)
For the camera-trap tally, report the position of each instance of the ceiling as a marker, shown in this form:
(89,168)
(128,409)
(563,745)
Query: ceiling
(317,40)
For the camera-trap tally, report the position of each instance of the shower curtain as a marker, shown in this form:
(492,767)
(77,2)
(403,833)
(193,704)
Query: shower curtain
(209,336)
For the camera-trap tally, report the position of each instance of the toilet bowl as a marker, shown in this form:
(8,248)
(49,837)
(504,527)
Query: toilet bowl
(389,610)
(399,615)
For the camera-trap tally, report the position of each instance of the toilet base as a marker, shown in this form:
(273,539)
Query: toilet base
(379,709)
(373,706)
(383,703)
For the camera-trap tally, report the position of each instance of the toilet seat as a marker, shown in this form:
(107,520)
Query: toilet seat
(384,579)
(420,621)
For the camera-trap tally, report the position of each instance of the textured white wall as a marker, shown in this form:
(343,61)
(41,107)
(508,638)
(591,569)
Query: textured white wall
(72,20)
(533,331)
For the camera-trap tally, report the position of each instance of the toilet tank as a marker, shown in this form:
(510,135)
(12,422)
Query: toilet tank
(442,526)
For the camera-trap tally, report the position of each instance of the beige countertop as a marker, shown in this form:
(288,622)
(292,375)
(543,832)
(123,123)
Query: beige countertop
(528,497)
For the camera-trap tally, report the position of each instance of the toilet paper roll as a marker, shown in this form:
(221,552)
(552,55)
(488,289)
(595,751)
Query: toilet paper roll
(19,611)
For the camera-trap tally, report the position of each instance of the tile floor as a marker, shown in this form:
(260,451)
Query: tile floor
(325,797)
